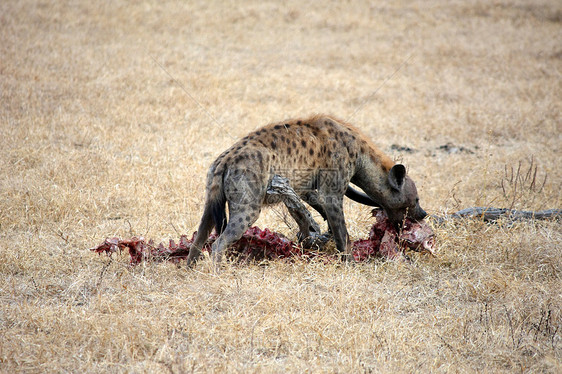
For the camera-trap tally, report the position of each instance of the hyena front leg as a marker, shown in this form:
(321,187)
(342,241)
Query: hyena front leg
(312,198)
(333,206)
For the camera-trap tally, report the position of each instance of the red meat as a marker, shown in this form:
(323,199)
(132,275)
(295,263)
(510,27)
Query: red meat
(256,244)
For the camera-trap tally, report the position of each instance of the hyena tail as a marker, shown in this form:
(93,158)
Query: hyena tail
(214,216)
(217,210)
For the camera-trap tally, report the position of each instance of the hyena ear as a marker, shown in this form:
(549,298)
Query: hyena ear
(396,176)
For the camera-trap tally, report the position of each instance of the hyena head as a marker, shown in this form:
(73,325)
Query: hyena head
(401,197)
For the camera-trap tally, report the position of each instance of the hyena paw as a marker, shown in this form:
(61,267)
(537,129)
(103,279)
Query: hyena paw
(313,240)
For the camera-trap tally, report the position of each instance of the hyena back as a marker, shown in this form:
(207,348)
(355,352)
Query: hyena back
(320,156)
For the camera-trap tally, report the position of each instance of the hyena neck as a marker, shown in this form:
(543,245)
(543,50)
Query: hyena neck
(371,175)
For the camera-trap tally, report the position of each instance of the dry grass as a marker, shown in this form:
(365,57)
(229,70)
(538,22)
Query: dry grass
(98,140)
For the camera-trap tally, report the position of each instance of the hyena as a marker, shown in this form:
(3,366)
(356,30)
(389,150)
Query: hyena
(320,156)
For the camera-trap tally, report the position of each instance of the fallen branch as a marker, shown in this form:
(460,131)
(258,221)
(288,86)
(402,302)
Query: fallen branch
(489,214)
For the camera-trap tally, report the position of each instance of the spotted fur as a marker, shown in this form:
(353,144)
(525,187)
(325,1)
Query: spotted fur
(320,156)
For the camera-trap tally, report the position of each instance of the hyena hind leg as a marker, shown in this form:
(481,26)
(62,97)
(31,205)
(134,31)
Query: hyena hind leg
(240,219)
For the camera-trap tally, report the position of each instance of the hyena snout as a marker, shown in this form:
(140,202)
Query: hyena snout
(398,216)
(420,214)
(415,213)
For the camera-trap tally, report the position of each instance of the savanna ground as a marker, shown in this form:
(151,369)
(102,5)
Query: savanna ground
(101,137)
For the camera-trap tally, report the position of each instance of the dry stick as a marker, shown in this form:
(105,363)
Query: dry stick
(528,175)
(490,214)
(102,272)
(533,182)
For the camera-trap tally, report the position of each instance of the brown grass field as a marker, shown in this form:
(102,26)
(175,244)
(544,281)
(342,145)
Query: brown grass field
(112,111)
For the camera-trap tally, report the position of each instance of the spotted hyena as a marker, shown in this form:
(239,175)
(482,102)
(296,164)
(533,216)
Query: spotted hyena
(319,156)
